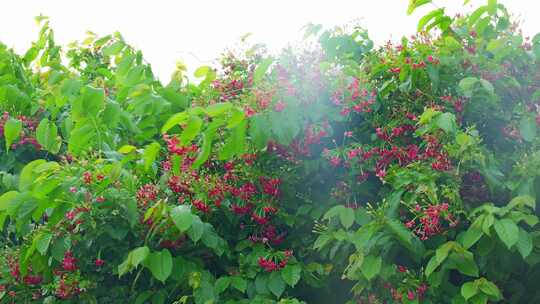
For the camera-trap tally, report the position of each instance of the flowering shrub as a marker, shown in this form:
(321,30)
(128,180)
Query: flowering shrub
(341,173)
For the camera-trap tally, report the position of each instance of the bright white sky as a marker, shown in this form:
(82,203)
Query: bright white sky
(196,31)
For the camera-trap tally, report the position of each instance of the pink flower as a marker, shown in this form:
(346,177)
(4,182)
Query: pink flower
(249,111)
(280,106)
(348,134)
(335,161)
(345,111)
(410,295)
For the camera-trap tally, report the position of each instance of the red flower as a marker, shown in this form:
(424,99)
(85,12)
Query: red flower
(99,262)
(410,295)
(87,177)
(69,262)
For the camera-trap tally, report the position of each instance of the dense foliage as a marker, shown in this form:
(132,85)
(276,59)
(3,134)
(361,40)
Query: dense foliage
(340,173)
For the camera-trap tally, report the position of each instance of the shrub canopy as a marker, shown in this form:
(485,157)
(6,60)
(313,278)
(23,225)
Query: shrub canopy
(339,173)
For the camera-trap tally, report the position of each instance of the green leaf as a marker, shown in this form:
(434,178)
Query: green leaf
(259,130)
(12,130)
(235,143)
(239,283)
(447,122)
(442,252)
(218,109)
(427,116)
(414,4)
(471,236)
(47,136)
(202,71)
(488,87)
(143,297)
(432,265)
(27,176)
(434,14)
(467,86)
(196,230)
(492,7)
(527,128)
(176,119)
(43,241)
(291,274)
(524,244)
(464,262)
(405,237)
(192,129)
(182,217)
(507,231)
(522,201)
(236,118)
(138,255)
(81,138)
(113,49)
(276,284)
(489,289)
(150,154)
(92,100)
(222,284)
(469,290)
(134,258)
(208,137)
(160,264)
(6,200)
(126,149)
(346,217)
(261,70)
(371,266)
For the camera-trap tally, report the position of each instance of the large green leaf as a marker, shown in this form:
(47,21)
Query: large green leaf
(43,240)
(507,231)
(176,119)
(27,176)
(182,217)
(346,217)
(469,289)
(447,122)
(291,274)
(192,129)
(114,48)
(261,70)
(12,129)
(160,264)
(47,136)
(196,230)
(134,258)
(150,154)
(414,4)
(91,101)
(524,244)
(371,266)
(527,128)
(276,284)
(218,109)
